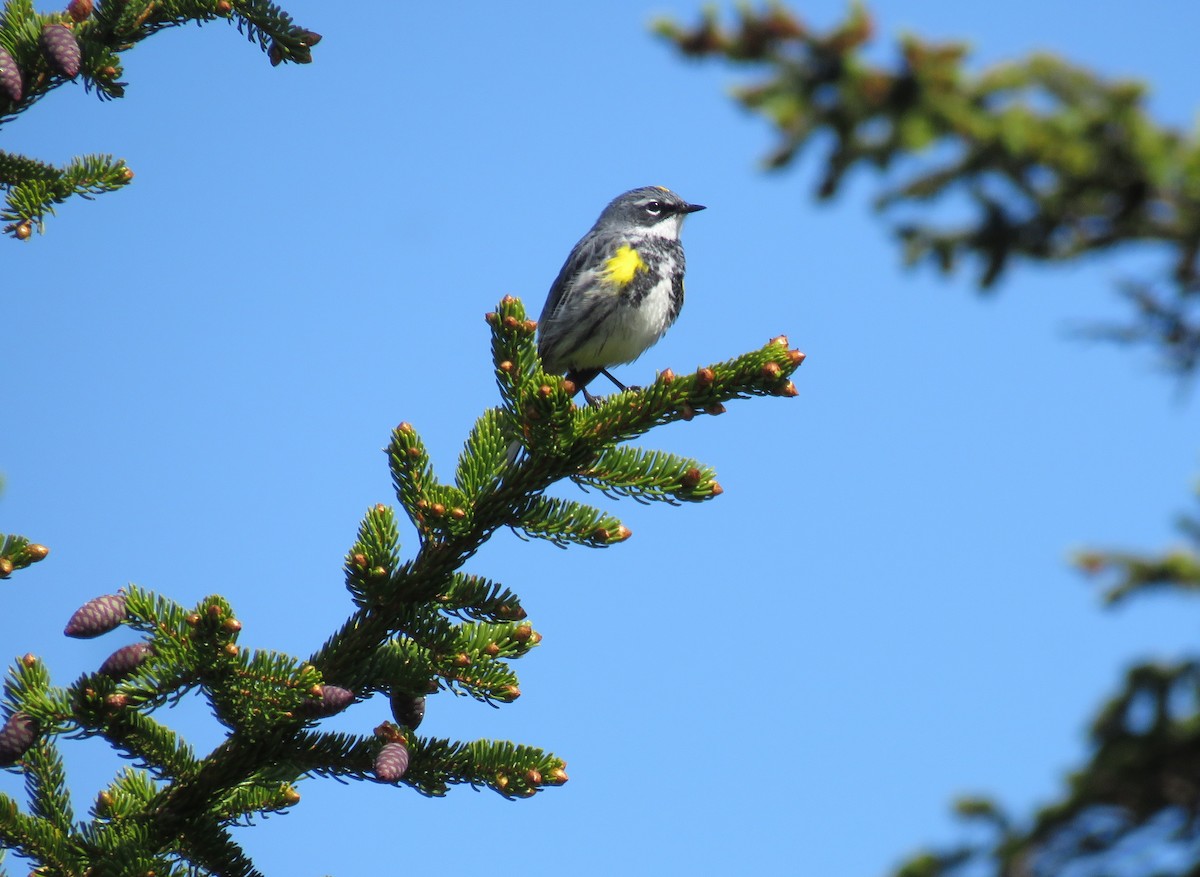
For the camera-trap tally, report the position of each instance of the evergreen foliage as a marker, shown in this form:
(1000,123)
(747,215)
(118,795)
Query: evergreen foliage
(40,52)
(17,552)
(418,627)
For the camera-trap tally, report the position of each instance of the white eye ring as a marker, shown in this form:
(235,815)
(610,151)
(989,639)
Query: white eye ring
(654,208)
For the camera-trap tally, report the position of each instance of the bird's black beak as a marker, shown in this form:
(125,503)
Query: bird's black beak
(691,208)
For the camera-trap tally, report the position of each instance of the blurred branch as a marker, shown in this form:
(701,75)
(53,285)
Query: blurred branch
(1044,160)
(1132,809)
(1177,569)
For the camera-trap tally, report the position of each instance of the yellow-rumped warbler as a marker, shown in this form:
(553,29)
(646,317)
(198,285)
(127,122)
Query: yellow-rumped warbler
(619,290)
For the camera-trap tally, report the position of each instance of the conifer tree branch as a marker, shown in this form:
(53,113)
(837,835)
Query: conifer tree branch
(40,52)
(209,846)
(1135,800)
(563,442)
(418,626)
(1050,161)
(17,552)
(46,786)
(1177,569)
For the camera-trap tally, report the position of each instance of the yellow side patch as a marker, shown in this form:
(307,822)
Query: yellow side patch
(622,267)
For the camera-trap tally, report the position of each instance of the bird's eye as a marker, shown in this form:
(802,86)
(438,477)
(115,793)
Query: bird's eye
(654,208)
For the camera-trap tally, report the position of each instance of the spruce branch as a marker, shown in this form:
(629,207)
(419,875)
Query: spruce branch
(470,596)
(418,627)
(46,786)
(647,476)
(207,845)
(564,521)
(561,440)
(485,454)
(40,52)
(34,838)
(17,552)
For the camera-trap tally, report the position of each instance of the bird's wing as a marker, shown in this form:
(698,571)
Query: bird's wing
(587,252)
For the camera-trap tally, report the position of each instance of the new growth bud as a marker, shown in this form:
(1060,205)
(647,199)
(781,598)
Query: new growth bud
(79,10)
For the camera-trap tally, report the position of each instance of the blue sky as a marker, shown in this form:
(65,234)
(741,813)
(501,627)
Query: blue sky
(796,678)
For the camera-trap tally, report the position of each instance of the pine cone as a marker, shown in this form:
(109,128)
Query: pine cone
(96,617)
(391,762)
(333,700)
(19,733)
(61,49)
(125,660)
(408,709)
(10,76)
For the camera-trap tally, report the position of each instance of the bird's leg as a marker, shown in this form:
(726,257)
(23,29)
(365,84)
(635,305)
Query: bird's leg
(581,378)
(620,386)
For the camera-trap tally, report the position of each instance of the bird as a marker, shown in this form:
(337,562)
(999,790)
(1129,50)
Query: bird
(619,290)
